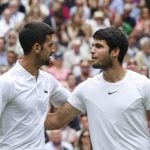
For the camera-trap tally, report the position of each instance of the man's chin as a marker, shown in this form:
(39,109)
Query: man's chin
(96,66)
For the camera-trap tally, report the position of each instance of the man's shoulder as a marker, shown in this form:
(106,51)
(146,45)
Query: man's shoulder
(7,76)
(138,79)
(84,86)
(46,75)
(136,76)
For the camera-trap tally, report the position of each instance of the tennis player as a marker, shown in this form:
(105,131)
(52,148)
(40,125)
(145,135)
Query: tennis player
(26,91)
(117,101)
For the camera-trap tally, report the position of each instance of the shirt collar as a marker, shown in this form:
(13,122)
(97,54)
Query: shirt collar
(21,71)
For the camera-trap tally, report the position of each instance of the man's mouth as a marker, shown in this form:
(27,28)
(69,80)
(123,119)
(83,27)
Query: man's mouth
(93,58)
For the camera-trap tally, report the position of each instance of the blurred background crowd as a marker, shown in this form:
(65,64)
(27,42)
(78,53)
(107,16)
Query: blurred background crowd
(74,22)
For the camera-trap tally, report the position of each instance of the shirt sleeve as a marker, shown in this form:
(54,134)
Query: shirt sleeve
(0,99)
(146,91)
(59,95)
(77,99)
(4,94)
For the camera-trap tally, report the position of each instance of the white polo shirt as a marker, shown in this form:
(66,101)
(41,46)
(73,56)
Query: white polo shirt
(24,103)
(116,111)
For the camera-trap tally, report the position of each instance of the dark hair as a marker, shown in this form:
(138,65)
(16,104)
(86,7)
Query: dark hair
(33,32)
(83,115)
(115,38)
(80,144)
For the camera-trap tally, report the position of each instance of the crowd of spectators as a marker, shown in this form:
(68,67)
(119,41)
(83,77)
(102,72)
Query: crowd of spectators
(74,22)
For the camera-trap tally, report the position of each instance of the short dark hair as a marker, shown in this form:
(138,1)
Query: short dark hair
(33,32)
(115,38)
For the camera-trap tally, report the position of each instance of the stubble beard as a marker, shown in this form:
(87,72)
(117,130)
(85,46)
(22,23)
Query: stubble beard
(107,64)
(46,62)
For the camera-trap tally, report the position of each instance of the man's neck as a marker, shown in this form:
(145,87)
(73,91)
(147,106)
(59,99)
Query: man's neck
(29,67)
(115,74)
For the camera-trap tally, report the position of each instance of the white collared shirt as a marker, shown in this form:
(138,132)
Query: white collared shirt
(24,103)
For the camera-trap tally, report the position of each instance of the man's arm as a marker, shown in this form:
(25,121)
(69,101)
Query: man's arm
(6,93)
(61,117)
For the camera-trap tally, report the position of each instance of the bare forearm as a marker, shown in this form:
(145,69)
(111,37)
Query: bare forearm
(52,122)
(61,117)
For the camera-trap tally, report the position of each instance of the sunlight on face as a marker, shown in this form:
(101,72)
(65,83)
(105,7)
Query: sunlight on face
(100,55)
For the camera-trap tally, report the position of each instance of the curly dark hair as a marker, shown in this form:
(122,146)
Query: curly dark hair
(115,38)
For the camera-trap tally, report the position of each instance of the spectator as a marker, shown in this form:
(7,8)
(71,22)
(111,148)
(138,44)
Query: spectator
(42,4)
(34,14)
(132,48)
(73,56)
(143,24)
(75,24)
(3,53)
(116,6)
(12,42)
(126,16)
(145,71)
(62,35)
(93,5)
(71,80)
(69,135)
(99,21)
(84,142)
(56,142)
(143,56)
(58,70)
(81,7)
(6,23)
(11,58)
(17,16)
(85,67)
(83,123)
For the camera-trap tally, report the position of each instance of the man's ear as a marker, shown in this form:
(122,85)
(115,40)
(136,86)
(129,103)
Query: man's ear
(115,52)
(37,48)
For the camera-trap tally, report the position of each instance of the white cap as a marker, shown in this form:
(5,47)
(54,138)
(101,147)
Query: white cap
(98,14)
(128,7)
(144,40)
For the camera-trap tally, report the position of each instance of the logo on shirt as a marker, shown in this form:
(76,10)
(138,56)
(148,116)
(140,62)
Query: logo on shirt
(45,91)
(109,93)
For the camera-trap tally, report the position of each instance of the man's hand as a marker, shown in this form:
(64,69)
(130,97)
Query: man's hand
(133,68)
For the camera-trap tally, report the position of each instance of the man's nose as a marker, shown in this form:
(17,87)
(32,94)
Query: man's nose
(92,50)
(53,49)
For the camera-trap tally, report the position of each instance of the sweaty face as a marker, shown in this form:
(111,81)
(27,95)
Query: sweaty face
(100,55)
(47,50)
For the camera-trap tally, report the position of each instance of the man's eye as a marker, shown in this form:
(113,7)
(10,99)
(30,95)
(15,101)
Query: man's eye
(98,46)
